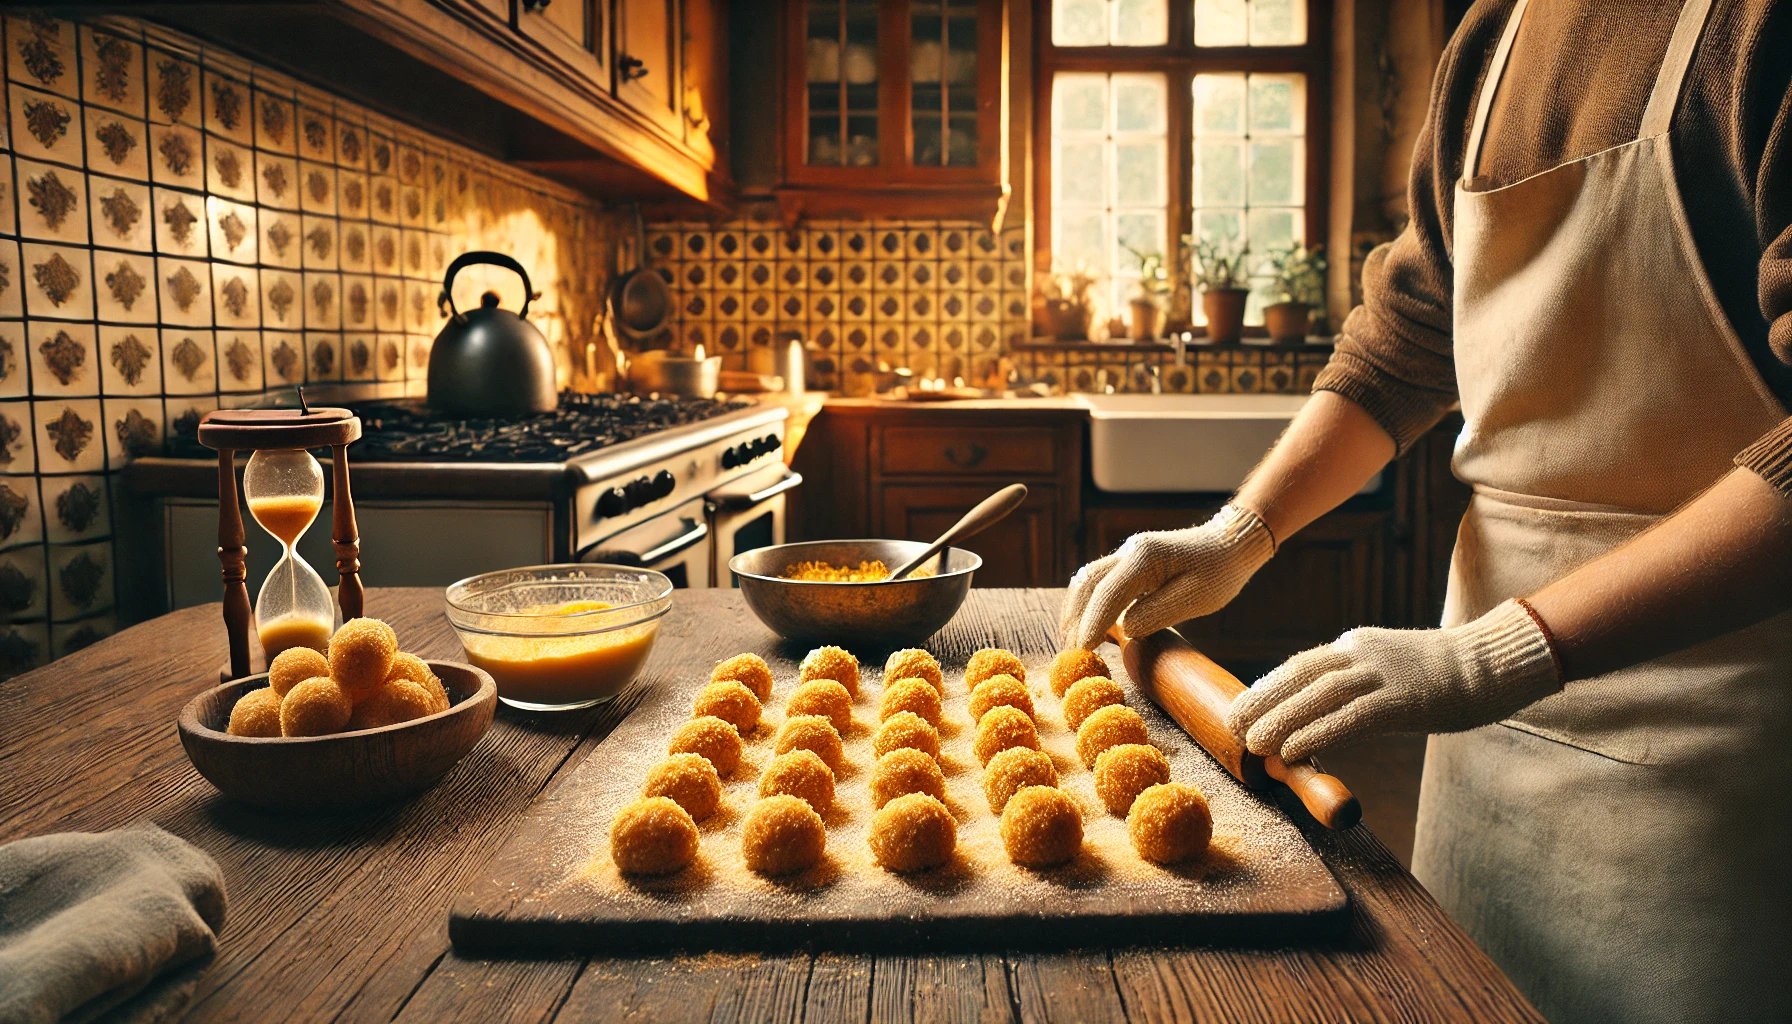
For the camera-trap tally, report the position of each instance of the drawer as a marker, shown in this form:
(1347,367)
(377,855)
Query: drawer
(962,451)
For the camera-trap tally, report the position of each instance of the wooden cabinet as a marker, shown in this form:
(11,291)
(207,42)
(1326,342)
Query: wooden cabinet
(649,49)
(894,109)
(1022,550)
(572,31)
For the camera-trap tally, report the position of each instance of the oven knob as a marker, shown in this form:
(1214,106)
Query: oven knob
(729,459)
(746,452)
(773,442)
(611,503)
(663,483)
(639,491)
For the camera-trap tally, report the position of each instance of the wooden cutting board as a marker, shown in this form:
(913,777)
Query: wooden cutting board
(553,888)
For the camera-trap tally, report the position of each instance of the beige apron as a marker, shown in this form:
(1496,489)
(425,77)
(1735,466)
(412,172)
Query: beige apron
(1620,849)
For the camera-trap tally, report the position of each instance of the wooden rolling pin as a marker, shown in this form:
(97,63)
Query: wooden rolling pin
(1197,693)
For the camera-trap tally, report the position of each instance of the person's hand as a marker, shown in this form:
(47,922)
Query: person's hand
(1371,681)
(1166,577)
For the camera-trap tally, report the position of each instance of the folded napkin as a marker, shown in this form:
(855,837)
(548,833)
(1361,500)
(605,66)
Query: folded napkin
(112,925)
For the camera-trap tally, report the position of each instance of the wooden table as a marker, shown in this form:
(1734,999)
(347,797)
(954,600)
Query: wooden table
(346,918)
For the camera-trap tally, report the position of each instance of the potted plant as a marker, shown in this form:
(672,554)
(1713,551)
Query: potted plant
(1218,271)
(1296,287)
(1070,310)
(1154,284)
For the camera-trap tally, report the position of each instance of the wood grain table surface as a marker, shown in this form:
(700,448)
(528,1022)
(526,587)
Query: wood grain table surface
(345,918)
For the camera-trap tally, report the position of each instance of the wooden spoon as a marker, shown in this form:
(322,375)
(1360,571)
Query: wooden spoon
(989,511)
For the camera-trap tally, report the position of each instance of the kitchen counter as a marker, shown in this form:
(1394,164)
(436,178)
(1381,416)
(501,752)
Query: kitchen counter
(345,918)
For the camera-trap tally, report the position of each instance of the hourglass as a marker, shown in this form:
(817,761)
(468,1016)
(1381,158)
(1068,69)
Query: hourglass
(284,488)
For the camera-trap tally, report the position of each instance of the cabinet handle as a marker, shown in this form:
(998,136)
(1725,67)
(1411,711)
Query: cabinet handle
(631,67)
(975,453)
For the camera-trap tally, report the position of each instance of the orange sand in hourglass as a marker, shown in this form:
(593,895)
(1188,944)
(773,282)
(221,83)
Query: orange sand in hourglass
(287,518)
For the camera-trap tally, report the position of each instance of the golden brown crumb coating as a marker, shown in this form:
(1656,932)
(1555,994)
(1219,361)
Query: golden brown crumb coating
(395,702)
(314,707)
(1013,770)
(731,701)
(1170,822)
(903,771)
(361,654)
(992,661)
(782,835)
(1041,827)
(1074,664)
(823,697)
(1108,727)
(802,774)
(257,713)
(812,732)
(834,663)
(913,694)
(1088,695)
(1000,691)
(749,669)
(906,729)
(914,663)
(1001,729)
(652,836)
(689,781)
(710,738)
(409,666)
(1125,771)
(295,665)
(913,833)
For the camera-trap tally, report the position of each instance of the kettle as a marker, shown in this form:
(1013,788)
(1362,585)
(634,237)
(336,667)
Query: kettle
(490,361)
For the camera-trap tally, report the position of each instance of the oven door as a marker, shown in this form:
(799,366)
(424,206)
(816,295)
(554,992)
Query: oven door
(675,542)
(746,515)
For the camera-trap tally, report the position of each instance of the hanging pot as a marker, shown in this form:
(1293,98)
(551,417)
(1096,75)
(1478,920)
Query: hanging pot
(641,299)
(490,361)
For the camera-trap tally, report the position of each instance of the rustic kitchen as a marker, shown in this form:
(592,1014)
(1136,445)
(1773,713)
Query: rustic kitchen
(550,510)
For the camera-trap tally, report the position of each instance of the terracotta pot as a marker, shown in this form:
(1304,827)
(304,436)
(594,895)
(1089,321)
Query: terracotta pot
(1070,321)
(1144,319)
(1225,313)
(1287,321)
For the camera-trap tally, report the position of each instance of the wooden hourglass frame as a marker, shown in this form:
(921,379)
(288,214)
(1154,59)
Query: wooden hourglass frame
(253,430)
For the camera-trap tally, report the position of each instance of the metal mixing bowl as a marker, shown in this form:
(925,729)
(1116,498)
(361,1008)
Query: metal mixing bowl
(893,614)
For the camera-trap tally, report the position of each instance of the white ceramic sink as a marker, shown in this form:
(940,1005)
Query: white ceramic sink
(1183,443)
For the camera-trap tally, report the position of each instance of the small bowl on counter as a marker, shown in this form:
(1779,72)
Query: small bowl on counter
(341,771)
(560,637)
(881,613)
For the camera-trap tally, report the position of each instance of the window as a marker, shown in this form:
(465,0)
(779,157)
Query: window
(1167,118)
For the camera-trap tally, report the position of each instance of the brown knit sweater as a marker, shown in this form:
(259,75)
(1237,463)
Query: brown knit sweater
(1576,83)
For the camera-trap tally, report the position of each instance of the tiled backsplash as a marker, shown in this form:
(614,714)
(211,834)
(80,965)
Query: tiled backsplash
(182,230)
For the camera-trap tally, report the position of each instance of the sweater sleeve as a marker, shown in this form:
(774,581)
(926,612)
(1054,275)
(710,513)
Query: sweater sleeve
(1771,456)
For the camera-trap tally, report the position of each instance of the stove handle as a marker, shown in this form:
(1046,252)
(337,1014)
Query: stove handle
(726,501)
(694,533)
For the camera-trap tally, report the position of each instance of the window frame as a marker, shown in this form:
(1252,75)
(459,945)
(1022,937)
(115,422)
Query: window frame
(1180,60)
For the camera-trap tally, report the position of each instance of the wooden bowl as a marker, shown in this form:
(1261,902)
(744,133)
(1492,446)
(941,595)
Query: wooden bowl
(345,770)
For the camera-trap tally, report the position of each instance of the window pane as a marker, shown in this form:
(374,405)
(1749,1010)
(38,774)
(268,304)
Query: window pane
(1079,23)
(1141,22)
(1250,22)
(1278,22)
(1275,171)
(1250,167)
(1079,103)
(1139,103)
(1110,22)
(1219,104)
(1081,172)
(1221,23)
(1139,174)
(840,57)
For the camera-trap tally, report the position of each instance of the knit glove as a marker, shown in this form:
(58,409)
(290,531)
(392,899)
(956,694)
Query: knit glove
(1166,577)
(1371,681)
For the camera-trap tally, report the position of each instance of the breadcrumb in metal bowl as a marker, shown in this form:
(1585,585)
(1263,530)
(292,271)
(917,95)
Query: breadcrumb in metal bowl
(874,571)
(883,613)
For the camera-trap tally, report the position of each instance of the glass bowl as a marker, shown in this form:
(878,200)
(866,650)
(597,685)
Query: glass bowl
(559,637)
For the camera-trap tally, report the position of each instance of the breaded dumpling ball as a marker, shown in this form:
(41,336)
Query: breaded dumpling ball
(802,774)
(992,661)
(1041,827)
(748,669)
(1000,691)
(906,729)
(1088,695)
(689,781)
(711,739)
(652,836)
(782,835)
(914,663)
(295,665)
(409,666)
(913,694)
(904,771)
(730,701)
(1125,771)
(314,707)
(1072,665)
(1170,822)
(1003,728)
(823,697)
(402,701)
(361,654)
(257,713)
(1013,770)
(834,663)
(913,833)
(814,733)
(1108,727)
